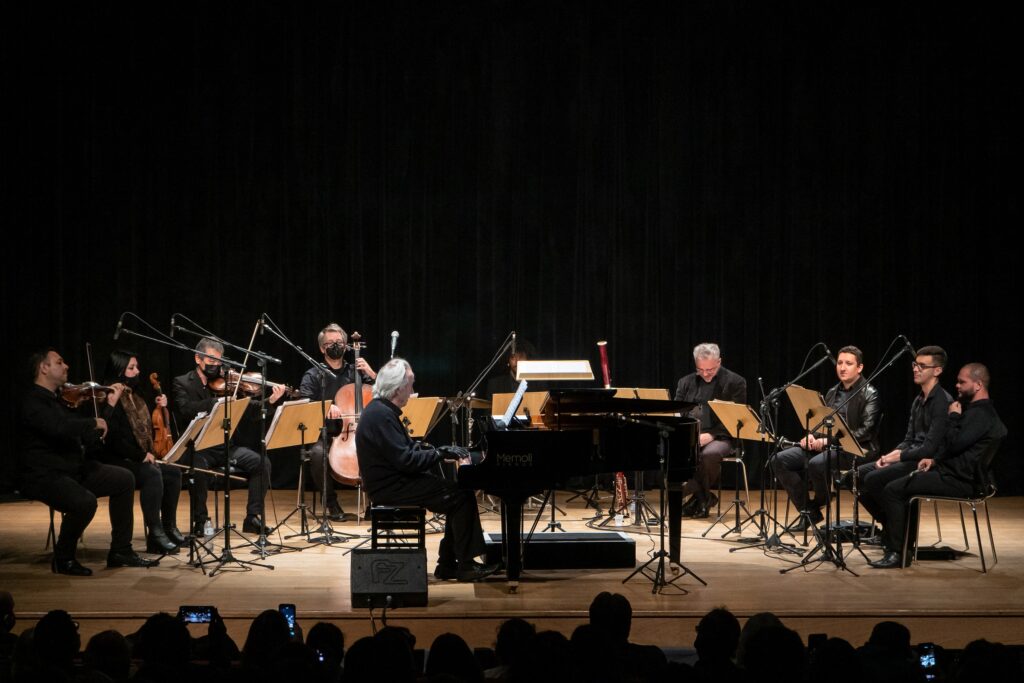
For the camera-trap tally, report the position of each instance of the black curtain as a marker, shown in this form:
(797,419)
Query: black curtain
(763,175)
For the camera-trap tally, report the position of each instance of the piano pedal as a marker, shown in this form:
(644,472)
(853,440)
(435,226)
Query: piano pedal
(673,566)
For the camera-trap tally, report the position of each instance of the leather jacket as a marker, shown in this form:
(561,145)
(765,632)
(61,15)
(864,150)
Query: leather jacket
(863,413)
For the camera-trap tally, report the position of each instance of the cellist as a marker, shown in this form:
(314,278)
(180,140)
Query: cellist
(320,386)
(130,445)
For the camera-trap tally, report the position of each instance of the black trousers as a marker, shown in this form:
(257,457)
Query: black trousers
(896,502)
(316,470)
(794,466)
(246,460)
(873,480)
(463,536)
(75,496)
(159,490)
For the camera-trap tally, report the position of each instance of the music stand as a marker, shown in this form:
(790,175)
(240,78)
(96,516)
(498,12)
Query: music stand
(811,408)
(742,424)
(217,431)
(183,446)
(288,428)
(420,415)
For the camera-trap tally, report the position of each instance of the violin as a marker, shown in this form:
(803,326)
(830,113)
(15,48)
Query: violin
(249,384)
(351,399)
(162,439)
(75,395)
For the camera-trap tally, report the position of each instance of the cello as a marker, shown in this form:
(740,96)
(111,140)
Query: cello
(351,399)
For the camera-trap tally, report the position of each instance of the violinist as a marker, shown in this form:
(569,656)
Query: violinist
(129,444)
(55,470)
(192,395)
(320,386)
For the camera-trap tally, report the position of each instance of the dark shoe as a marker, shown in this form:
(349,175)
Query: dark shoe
(69,567)
(801,523)
(252,525)
(891,560)
(336,514)
(691,506)
(446,572)
(199,528)
(474,571)
(703,510)
(128,558)
(174,534)
(159,544)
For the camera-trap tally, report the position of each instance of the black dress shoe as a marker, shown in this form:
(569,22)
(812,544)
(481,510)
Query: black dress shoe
(691,506)
(252,525)
(174,534)
(891,560)
(69,567)
(199,527)
(128,558)
(158,543)
(474,571)
(446,572)
(339,515)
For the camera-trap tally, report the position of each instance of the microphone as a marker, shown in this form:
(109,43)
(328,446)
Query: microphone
(262,323)
(513,342)
(173,317)
(394,342)
(120,324)
(829,353)
(909,346)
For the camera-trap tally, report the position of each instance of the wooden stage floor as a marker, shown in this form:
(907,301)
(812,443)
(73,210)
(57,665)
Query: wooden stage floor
(948,602)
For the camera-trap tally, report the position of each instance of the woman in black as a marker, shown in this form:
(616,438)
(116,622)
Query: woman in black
(129,444)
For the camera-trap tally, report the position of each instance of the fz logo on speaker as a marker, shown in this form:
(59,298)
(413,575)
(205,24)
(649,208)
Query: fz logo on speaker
(388,573)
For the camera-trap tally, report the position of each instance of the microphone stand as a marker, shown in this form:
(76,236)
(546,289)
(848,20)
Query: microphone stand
(657,574)
(773,541)
(830,537)
(328,535)
(263,546)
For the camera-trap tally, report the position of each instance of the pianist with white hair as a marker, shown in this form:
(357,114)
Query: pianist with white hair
(396,471)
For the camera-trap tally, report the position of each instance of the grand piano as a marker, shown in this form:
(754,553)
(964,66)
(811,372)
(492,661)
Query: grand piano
(586,432)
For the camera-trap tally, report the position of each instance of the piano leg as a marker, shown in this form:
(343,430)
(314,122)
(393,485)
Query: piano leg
(511,541)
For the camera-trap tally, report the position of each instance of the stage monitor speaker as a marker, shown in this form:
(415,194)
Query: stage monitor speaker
(398,574)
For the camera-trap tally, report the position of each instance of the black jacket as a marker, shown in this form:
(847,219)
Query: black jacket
(388,456)
(862,415)
(190,397)
(968,438)
(728,386)
(52,437)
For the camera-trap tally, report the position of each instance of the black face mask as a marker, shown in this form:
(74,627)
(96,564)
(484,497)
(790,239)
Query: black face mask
(335,351)
(211,371)
(131,382)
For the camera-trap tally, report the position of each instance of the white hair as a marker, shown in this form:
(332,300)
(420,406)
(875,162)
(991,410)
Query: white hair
(391,378)
(706,350)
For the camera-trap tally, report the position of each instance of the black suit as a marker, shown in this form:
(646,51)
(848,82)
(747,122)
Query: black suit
(54,470)
(395,471)
(191,397)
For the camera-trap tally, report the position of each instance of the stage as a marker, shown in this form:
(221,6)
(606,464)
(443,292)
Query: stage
(947,602)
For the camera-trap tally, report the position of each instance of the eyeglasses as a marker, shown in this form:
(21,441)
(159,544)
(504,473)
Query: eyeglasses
(918,366)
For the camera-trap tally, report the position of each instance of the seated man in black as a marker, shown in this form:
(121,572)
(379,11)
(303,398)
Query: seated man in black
(192,395)
(925,431)
(861,415)
(321,386)
(960,467)
(56,471)
(709,382)
(394,470)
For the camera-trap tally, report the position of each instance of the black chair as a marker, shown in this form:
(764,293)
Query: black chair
(986,489)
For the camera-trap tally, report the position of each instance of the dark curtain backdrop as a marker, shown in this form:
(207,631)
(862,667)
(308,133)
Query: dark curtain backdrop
(764,175)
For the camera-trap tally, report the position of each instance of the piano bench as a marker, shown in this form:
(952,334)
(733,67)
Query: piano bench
(398,527)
